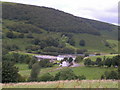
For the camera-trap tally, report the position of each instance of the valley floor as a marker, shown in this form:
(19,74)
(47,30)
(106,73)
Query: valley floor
(65,84)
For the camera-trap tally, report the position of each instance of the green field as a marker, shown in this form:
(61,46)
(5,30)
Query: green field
(91,73)
(94,43)
(66,84)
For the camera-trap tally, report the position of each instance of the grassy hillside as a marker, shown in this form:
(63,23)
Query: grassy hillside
(42,23)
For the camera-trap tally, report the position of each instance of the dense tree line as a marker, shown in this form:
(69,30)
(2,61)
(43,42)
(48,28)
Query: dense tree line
(106,62)
(23,28)
(17,58)
(46,18)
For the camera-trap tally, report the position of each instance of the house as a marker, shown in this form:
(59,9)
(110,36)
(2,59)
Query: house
(64,64)
(42,57)
(61,57)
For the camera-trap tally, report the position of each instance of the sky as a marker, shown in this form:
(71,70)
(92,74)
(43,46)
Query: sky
(102,10)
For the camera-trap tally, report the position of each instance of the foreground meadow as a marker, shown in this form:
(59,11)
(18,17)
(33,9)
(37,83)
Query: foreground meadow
(66,84)
(91,73)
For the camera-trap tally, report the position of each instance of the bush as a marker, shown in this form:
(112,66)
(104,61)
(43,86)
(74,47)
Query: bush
(34,72)
(98,61)
(10,35)
(110,75)
(67,74)
(9,72)
(88,62)
(82,43)
(46,77)
(79,59)
(32,61)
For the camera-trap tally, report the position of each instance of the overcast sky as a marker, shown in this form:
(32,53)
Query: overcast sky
(102,10)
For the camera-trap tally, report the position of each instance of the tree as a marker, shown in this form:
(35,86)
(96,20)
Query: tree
(71,41)
(65,74)
(68,74)
(32,61)
(98,61)
(110,75)
(34,72)
(9,72)
(116,60)
(108,62)
(82,43)
(10,34)
(70,59)
(79,59)
(88,62)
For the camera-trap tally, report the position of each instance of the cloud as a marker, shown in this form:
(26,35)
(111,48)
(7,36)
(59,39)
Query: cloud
(103,10)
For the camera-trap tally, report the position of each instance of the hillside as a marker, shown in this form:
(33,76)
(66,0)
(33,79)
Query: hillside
(36,22)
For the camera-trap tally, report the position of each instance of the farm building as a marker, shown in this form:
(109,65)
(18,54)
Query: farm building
(61,57)
(41,57)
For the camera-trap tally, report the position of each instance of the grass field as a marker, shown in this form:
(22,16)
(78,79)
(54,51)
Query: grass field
(91,73)
(66,84)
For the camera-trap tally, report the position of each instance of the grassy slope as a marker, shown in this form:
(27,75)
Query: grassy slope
(93,43)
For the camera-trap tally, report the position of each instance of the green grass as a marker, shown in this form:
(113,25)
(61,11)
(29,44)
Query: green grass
(91,73)
(94,43)
(66,84)
(24,71)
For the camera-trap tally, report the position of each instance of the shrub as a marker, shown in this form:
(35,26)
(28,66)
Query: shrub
(10,35)
(46,77)
(32,61)
(82,43)
(79,59)
(67,74)
(34,72)
(110,75)
(88,62)
(98,61)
